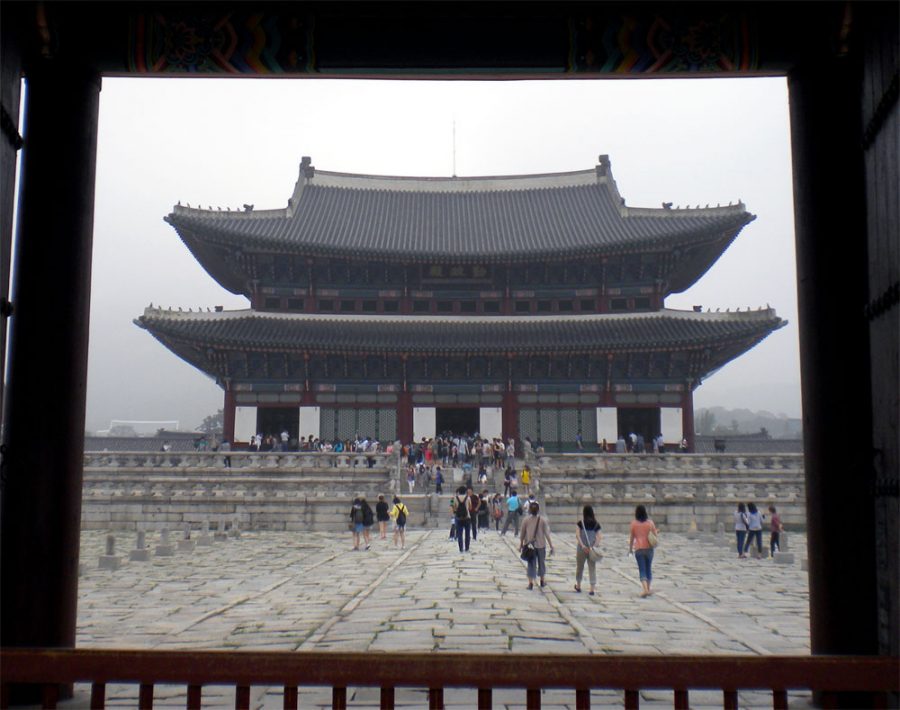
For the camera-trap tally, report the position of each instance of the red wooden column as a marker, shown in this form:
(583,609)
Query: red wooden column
(687,416)
(228,415)
(510,419)
(404,409)
(45,397)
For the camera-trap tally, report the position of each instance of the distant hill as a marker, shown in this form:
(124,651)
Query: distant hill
(718,420)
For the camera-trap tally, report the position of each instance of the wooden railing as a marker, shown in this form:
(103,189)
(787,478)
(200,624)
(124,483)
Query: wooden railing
(871,676)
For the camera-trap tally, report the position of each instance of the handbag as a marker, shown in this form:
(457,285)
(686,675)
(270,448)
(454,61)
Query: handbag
(593,554)
(652,539)
(529,552)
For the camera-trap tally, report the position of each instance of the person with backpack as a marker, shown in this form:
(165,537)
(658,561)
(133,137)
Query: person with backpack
(497,510)
(400,514)
(462,517)
(356,521)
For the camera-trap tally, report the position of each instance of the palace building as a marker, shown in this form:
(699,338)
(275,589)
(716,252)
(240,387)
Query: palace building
(513,306)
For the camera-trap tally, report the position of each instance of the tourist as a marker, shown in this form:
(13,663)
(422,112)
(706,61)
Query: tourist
(513,511)
(484,511)
(226,448)
(620,445)
(497,510)
(579,441)
(775,530)
(587,538)
(754,527)
(411,477)
(482,474)
(536,532)
(368,520)
(356,520)
(507,480)
(639,544)
(438,480)
(526,478)
(683,446)
(285,438)
(741,524)
(474,503)
(400,514)
(511,453)
(460,507)
(381,515)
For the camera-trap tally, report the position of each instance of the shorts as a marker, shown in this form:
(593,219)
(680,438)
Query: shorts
(357,527)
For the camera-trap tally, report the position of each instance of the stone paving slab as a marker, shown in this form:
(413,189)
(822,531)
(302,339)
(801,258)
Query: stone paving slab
(287,591)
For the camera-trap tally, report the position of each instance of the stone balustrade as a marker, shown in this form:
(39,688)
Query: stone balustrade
(239,460)
(689,464)
(300,490)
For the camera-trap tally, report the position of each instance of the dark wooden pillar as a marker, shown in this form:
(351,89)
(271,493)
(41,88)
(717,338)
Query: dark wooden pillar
(228,415)
(45,397)
(404,417)
(687,417)
(511,419)
(832,268)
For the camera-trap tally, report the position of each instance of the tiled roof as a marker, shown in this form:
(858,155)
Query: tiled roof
(465,219)
(666,329)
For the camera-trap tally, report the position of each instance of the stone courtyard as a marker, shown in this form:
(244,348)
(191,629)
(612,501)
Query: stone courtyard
(309,591)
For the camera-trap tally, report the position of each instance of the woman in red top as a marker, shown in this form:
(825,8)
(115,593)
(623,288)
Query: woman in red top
(639,543)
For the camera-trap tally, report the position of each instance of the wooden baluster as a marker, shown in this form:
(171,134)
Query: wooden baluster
(729,700)
(145,696)
(485,699)
(533,699)
(435,699)
(194,697)
(49,695)
(241,696)
(290,697)
(632,700)
(681,699)
(387,699)
(779,700)
(98,695)
(4,696)
(339,699)
(582,699)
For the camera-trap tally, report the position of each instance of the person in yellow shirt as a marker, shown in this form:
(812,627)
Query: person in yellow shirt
(399,514)
(526,479)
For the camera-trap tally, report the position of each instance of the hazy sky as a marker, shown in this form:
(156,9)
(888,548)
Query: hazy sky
(232,141)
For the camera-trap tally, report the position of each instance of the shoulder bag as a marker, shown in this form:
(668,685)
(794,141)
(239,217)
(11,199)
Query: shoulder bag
(593,554)
(652,538)
(529,552)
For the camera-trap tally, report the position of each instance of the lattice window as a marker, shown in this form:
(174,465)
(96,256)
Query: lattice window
(346,423)
(387,425)
(367,422)
(327,417)
(528,423)
(549,425)
(569,424)
(588,423)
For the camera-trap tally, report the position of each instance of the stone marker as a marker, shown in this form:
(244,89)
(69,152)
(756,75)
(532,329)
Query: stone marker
(784,558)
(205,538)
(783,542)
(235,530)
(220,533)
(165,548)
(692,532)
(110,560)
(140,553)
(185,544)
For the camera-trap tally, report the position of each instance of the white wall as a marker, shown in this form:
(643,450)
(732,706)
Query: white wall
(670,421)
(490,422)
(607,424)
(424,423)
(244,423)
(309,422)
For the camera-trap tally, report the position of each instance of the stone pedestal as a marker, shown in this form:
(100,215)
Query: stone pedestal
(112,562)
(140,553)
(165,548)
(784,558)
(205,538)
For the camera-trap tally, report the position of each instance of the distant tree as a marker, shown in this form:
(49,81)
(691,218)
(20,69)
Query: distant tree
(214,423)
(706,422)
(734,426)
